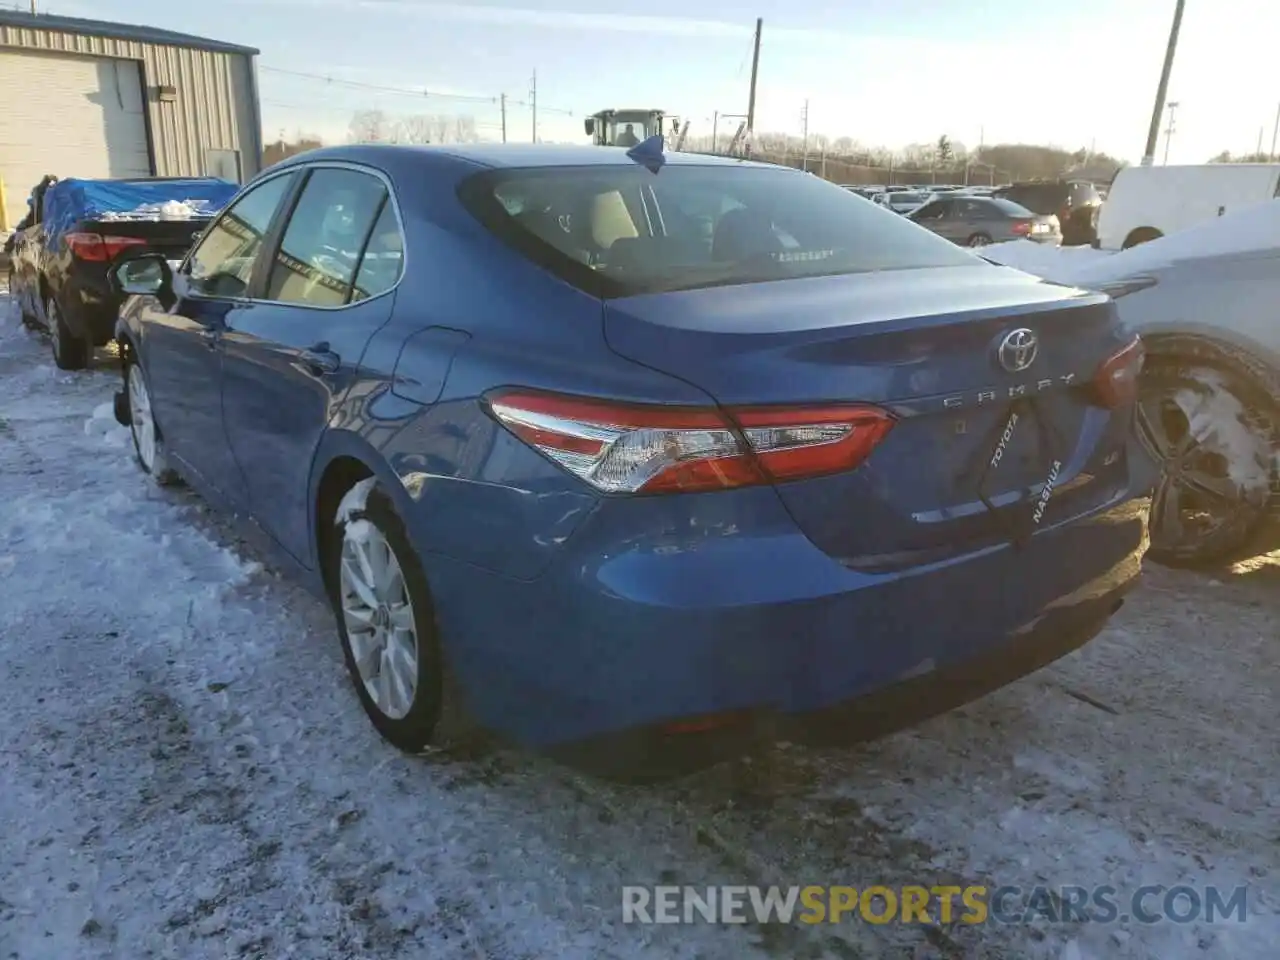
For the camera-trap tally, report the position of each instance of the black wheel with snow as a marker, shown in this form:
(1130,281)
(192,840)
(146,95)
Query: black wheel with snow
(1212,433)
(69,351)
(148,445)
(978,240)
(386,620)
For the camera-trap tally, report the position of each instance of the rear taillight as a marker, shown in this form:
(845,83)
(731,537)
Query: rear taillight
(97,248)
(1021,228)
(641,448)
(1116,382)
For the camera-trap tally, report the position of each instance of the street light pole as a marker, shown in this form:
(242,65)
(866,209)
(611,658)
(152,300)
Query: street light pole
(1168,131)
(1153,131)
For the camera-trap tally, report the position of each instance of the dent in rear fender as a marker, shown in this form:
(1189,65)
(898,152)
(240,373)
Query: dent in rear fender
(478,494)
(465,487)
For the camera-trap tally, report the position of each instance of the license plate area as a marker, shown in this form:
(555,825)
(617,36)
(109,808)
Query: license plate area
(1020,467)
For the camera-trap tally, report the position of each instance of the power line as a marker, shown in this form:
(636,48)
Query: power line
(346,111)
(411,92)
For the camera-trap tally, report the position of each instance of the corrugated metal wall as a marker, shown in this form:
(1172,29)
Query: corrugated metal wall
(215,109)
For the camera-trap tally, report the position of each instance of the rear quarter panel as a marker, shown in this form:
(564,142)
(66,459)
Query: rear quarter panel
(472,491)
(1233,299)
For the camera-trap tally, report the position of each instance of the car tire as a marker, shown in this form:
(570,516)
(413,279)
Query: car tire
(1223,515)
(978,240)
(432,716)
(148,444)
(69,351)
(26,316)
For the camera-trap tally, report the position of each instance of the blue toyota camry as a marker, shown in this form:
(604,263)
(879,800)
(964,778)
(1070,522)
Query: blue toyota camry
(629,456)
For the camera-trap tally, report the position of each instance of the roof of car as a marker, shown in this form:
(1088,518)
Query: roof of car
(510,155)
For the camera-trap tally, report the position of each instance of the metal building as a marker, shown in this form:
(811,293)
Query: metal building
(86,98)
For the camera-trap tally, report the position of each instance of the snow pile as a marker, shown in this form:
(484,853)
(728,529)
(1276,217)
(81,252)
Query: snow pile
(168,210)
(1217,421)
(103,424)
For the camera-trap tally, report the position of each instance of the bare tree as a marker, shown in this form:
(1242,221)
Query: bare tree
(370,126)
(415,129)
(464,130)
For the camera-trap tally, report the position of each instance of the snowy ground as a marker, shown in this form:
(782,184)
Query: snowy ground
(185,773)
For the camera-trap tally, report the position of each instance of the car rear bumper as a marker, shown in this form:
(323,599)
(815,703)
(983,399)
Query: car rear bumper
(707,624)
(655,753)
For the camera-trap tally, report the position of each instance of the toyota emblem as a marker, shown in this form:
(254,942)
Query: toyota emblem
(1018,349)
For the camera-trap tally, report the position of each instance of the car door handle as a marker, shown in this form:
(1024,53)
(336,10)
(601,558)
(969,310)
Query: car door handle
(321,359)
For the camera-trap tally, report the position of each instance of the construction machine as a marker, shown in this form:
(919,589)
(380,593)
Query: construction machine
(617,128)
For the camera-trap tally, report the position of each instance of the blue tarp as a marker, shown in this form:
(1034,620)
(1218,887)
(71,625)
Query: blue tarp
(67,201)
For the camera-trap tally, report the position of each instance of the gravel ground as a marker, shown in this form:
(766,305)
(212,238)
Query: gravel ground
(186,773)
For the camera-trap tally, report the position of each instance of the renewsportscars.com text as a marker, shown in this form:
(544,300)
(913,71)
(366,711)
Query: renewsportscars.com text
(1148,904)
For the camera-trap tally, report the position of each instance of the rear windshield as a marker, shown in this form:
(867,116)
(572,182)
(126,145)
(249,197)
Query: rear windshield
(1042,198)
(618,231)
(1009,207)
(1084,193)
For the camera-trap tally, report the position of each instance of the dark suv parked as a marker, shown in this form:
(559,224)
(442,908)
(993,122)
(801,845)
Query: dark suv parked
(1074,202)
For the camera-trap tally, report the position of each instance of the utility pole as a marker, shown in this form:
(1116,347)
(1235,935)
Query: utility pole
(804,138)
(1274,131)
(533,103)
(1153,131)
(1168,131)
(751,99)
(1258,152)
(503,102)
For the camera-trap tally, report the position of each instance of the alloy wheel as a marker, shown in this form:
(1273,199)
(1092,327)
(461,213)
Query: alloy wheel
(141,421)
(1196,494)
(379,619)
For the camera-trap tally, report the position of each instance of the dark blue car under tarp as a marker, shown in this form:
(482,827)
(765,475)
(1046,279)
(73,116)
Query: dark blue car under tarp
(70,201)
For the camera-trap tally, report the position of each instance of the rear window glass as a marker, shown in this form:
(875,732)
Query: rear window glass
(1084,193)
(620,230)
(1007,206)
(1041,199)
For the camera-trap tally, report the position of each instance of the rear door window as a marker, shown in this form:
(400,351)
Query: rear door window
(383,261)
(621,230)
(320,251)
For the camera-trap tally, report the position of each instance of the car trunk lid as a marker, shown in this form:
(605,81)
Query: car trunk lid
(927,345)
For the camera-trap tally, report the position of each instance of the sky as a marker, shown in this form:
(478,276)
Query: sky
(884,72)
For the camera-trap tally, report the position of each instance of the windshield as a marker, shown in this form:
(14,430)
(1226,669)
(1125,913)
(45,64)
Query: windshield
(628,129)
(621,230)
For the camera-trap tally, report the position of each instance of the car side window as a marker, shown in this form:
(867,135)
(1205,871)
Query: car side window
(320,249)
(932,211)
(383,260)
(221,265)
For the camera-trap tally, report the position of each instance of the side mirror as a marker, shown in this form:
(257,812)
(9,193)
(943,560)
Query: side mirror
(590,126)
(146,276)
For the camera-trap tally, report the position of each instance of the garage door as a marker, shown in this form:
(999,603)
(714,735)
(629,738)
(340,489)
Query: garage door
(69,116)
